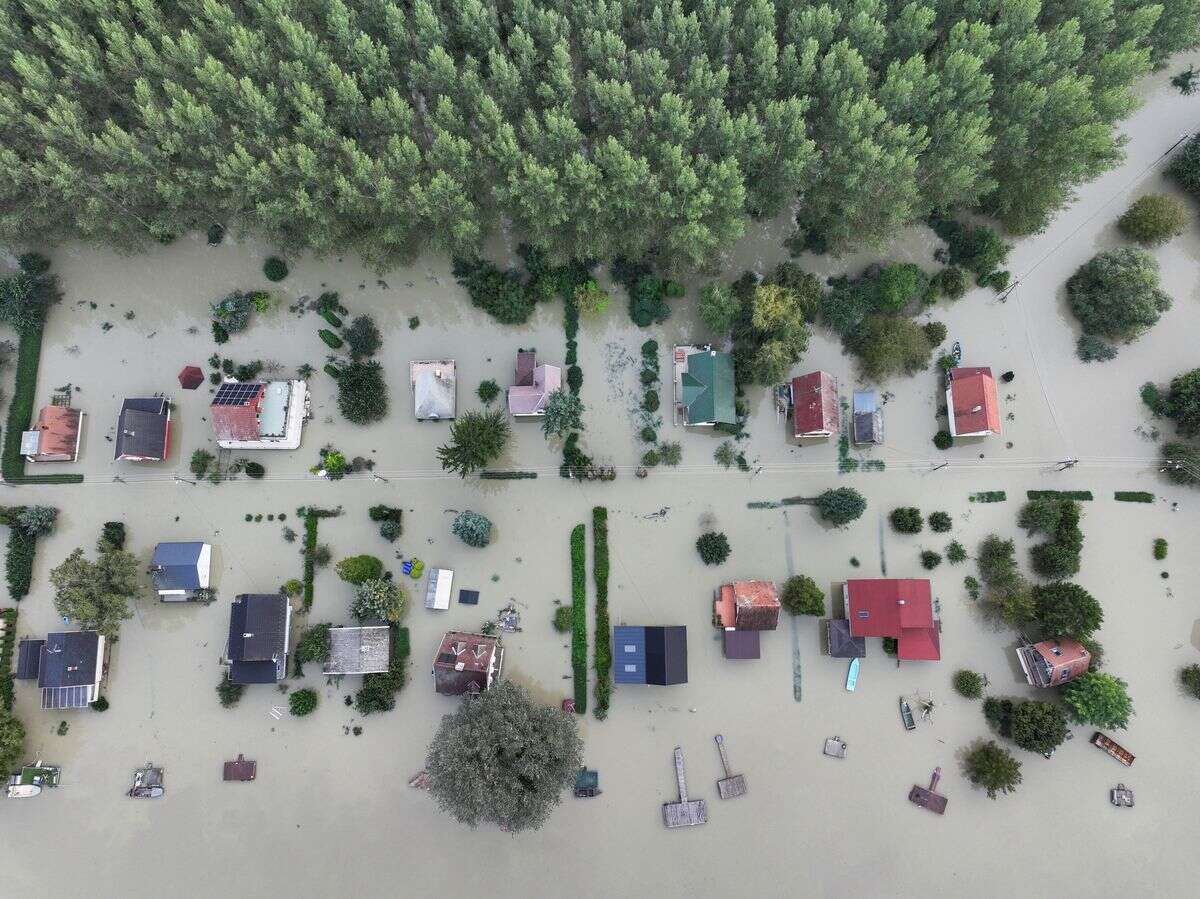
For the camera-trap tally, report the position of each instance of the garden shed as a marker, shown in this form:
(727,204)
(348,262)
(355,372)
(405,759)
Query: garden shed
(437,588)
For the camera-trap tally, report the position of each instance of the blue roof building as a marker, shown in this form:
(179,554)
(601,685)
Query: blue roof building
(650,655)
(180,569)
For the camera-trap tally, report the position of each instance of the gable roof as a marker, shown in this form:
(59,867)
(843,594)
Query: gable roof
(530,399)
(68,669)
(175,566)
(57,430)
(142,428)
(666,655)
(433,385)
(868,417)
(815,404)
(897,608)
(359,650)
(976,410)
(235,409)
(258,625)
(629,654)
(708,388)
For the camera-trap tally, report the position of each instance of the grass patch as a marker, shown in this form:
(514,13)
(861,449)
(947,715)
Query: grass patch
(988,496)
(603,661)
(579,618)
(1077,495)
(1133,496)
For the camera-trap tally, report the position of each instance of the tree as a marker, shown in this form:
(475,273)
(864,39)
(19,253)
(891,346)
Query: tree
(993,768)
(1038,726)
(1184,168)
(362,392)
(591,298)
(940,522)
(363,337)
(841,505)
(802,596)
(313,645)
(1040,516)
(889,345)
(472,528)
(501,759)
(1116,294)
(228,692)
(487,391)
(1190,678)
(1181,463)
(770,333)
(25,296)
(1098,699)
(476,438)
(357,569)
(998,562)
(713,547)
(303,702)
(563,414)
(718,308)
(1067,610)
(1153,219)
(12,740)
(379,599)
(36,521)
(907,520)
(968,684)
(96,594)
(1182,403)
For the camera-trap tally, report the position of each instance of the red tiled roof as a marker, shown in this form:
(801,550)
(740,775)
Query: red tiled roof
(898,608)
(58,431)
(815,401)
(973,397)
(238,422)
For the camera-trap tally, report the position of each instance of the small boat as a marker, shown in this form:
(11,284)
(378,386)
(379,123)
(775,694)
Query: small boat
(1113,748)
(906,715)
(22,791)
(835,747)
(1121,795)
(852,675)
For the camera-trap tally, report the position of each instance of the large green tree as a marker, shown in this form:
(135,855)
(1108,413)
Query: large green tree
(1067,610)
(12,740)
(503,759)
(992,767)
(1116,294)
(1038,726)
(96,594)
(476,438)
(1098,699)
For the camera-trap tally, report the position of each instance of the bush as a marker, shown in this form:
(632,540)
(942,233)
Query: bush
(292,587)
(112,537)
(650,401)
(1184,169)
(955,553)
(670,454)
(943,440)
(1190,678)
(201,459)
(501,294)
(232,312)
(650,458)
(1038,726)
(648,435)
(713,548)
(330,339)
(998,713)
(950,281)
(363,337)
(968,684)
(930,560)
(229,692)
(841,505)
(647,302)
(487,391)
(302,702)
(1100,700)
(1090,348)
(562,619)
(18,563)
(574,378)
(1040,516)
(390,531)
(385,513)
(802,596)
(1059,558)
(357,569)
(603,660)
(275,269)
(255,470)
(940,522)
(362,392)
(907,520)
(215,234)
(1153,219)
(1160,549)
(35,521)
(889,646)
(1116,294)
(472,528)
(935,333)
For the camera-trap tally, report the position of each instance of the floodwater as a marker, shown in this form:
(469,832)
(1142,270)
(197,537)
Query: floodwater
(330,812)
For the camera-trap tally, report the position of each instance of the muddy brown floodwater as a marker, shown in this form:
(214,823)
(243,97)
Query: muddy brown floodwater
(330,813)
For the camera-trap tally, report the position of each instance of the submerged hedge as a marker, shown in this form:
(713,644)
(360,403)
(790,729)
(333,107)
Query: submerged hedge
(603,661)
(579,618)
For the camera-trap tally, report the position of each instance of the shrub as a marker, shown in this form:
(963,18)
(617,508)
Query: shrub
(1182,403)
(930,560)
(112,537)
(379,599)
(718,308)
(472,528)
(292,587)
(1038,726)
(647,302)
(574,379)
(940,522)
(907,520)
(302,702)
(35,521)
(100,704)
(487,391)
(1059,558)
(968,684)
(1160,549)
(255,470)
(378,692)
(330,339)
(1184,169)
(275,269)
(1190,678)
(1153,219)
(385,513)
(802,596)
(973,587)
(232,312)
(650,458)
(363,337)
(648,435)
(841,505)
(390,531)
(889,646)
(977,248)
(943,440)
(713,548)
(215,234)
(1133,496)
(201,459)
(1090,348)
(935,333)
(591,298)
(501,294)
(562,619)
(313,646)
(1116,294)
(950,281)
(955,553)
(998,562)
(362,392)
(603,660)
(229,692)
(650,401)
(670,454)
(357,569)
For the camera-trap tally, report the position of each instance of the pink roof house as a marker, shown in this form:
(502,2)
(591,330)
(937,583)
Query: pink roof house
(527,398)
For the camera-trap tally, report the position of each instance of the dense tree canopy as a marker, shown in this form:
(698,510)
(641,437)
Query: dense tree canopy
(95,595)
(597,129)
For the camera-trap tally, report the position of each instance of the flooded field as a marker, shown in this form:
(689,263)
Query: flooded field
(330,813)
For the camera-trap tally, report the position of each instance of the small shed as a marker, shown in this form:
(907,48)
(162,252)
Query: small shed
(868,418)
(437,589)
(742,644)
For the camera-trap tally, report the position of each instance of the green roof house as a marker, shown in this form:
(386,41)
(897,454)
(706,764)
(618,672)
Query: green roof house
(706,388)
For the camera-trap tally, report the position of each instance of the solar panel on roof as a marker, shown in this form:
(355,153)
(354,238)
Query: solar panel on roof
(231,394)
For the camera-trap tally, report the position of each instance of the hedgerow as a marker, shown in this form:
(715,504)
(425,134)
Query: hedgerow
(603,663)
(579,618)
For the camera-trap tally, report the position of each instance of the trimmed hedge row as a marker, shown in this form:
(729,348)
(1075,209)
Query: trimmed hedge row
(310,552)
(603,661)
(507,475)
(1077,495)
(1133,496)
(579,618)
(18,563)
(6,653)
(989,496)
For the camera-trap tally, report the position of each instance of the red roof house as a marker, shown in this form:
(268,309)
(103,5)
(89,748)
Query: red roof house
(815,405)
(55,436)
(747,606)
(235,410)
(467,663)
(971,402)
(1053,662)
(898,608)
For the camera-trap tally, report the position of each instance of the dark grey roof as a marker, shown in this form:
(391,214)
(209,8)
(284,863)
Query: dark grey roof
(666,655)
(258,638)
(742,644)
(69,659)
(142,428)
(29,659)
(840,643)
(174,566)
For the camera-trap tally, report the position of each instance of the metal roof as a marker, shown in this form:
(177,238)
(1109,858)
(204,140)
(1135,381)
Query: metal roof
(142,428)
(359,650)
(708,388)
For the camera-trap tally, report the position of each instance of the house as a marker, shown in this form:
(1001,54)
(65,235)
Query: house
(178,570)
(898,608)
(704,386)
(55,436)
(867,418)
(534,384)
(839,642)
(1052,663)
(971,402)
(467,663)
(650,655)
(68,666)
(144,429)
(434,387)
(815,410)
(359,650)
(259,629)
(253,415)
(747,606)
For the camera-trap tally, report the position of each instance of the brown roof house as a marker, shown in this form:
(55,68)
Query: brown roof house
(1053,662)
(467,663)
(743,609)
(974,410)
(815,411)
(55,436)
(534,384)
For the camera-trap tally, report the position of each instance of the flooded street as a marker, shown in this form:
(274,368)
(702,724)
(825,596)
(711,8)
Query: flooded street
(330,813)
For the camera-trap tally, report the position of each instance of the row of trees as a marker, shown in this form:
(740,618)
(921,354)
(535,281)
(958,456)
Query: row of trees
(598,130)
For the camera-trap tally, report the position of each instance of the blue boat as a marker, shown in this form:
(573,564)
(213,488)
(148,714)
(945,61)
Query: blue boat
(852,675)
